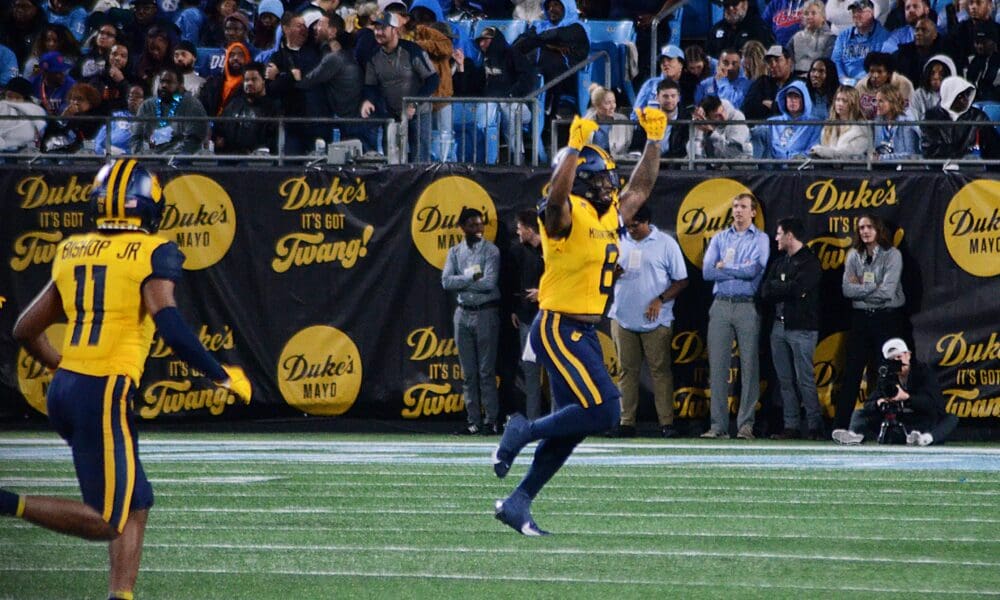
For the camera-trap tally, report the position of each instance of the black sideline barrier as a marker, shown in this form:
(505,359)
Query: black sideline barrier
(325,285)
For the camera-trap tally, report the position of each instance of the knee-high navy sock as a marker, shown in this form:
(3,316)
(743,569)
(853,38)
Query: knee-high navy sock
(10,503)
(575,420)
(550,455)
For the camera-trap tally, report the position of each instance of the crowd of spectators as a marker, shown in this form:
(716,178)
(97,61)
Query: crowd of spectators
(238,63)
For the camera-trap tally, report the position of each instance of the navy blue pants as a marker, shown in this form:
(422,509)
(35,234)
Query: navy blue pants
(93,415)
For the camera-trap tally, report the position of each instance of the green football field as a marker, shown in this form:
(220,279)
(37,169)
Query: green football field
(393,516)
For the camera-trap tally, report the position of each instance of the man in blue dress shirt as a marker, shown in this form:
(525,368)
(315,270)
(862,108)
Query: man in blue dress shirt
(735,261)
(652,275)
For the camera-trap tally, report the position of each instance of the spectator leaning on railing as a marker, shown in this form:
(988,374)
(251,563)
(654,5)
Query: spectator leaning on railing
(16,134)
(783,138)
(714,139)
(163,134)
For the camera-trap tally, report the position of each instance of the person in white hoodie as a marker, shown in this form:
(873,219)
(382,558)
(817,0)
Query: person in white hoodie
(16,134)
(842,140)
(713,138)
(967,136)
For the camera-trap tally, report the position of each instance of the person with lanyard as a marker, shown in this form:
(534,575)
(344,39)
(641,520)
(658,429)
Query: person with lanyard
(895,137)
(472,271)
(735,261)
(163,134)
(52,83)
(872,282)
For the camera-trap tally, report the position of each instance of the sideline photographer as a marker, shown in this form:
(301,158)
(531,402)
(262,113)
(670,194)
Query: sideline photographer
(916,404)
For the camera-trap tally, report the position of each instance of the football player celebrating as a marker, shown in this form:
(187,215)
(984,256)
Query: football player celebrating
(115,288)
(581,220)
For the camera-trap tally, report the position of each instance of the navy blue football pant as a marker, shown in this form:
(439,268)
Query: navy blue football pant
(584,397)
(93,415)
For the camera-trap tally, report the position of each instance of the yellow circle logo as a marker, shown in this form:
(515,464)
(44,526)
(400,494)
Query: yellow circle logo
(32,377)
(828,365)
(610,355)
(199,217)
(972,228)
(434,225)
(708,209)
(319,371)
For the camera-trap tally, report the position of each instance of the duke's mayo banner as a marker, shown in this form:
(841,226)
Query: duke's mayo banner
(326,285)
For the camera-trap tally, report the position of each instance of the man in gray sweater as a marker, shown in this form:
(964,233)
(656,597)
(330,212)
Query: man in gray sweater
(163,133)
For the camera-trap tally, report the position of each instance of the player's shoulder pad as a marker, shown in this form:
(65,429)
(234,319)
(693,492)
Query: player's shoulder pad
(167,262)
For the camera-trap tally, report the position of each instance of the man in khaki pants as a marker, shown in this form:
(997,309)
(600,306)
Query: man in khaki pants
(651,274)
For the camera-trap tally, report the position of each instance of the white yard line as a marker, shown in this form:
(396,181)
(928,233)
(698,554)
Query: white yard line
(492,578)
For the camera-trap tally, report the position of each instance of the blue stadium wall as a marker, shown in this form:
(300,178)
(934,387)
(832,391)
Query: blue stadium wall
(325,284)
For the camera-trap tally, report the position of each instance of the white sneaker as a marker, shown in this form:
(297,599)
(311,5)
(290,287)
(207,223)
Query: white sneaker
(912,438)
(925,439)
(847,437)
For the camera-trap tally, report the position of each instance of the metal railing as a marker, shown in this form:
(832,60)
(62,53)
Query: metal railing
(654,50)
(532,99)
(870,161)
(392,154)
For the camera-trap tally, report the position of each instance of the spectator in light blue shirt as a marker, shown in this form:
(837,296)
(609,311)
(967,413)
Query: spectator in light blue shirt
(728,82)
(62,12)
(854,44)
(652,274)
(8,65)
(735,261)
(671,67)
(121,126)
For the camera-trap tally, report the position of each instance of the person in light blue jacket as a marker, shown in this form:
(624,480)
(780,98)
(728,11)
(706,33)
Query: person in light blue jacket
(9,68)
(854,44)
(63,12)
(786,139)
(895,137)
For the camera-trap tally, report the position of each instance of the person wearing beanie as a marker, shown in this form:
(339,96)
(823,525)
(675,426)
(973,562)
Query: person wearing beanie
(185,57)
(265,27)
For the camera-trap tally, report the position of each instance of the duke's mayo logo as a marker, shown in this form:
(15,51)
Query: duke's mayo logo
(828,365)
(434,225)
(319,371)
(200,218)
(707,210)
(33,378)
(972,228)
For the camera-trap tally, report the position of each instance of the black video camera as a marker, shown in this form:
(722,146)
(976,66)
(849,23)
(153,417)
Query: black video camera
(892,430)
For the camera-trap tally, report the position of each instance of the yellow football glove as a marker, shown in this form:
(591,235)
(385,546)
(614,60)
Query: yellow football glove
(237,383)
(653,121)
(580,132)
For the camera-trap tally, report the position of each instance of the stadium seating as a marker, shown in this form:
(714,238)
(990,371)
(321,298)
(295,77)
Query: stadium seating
(610,37)
(992,110)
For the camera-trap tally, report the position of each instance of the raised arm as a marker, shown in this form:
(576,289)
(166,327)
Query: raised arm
(557,218)
(640,184)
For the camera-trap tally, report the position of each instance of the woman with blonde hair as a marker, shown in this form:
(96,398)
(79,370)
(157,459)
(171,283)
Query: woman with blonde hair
(614,132)
(843,140)
(754,65)
(814,40)
(895,135)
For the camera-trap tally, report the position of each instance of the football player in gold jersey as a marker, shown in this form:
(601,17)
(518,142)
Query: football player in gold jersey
(581,220)
(114,286)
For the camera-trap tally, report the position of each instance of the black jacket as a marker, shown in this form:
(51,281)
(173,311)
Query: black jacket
(764,88)
(794,281)
(723,35)
(926,403)
(956,141)
(507,73)
(250,132)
